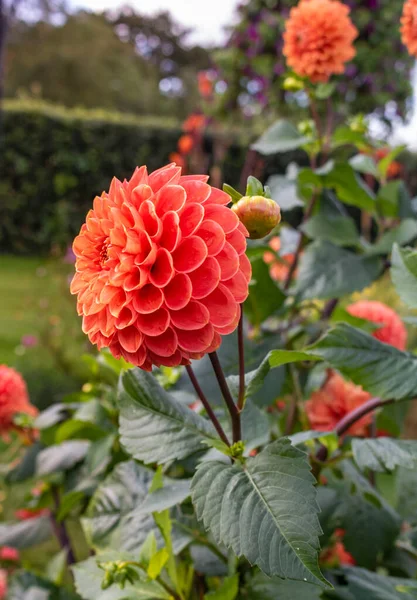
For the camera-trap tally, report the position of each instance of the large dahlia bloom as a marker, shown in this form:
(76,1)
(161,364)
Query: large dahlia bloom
(334,400)
(318,39)
(392,331)
(13,398)
(409,26)
(161,268)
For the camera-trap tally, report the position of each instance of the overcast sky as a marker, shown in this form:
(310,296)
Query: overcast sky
(207,17)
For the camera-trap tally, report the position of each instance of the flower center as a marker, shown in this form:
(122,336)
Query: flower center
(104,253)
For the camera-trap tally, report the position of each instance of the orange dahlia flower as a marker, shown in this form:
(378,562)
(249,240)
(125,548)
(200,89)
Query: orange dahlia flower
(177,158)
(318,39)
(14,398)
(185,144)
(409,26)
(392,331)
(278,269)
(161,268)
(395,168)
(335,399)
(205,84)
(194,123)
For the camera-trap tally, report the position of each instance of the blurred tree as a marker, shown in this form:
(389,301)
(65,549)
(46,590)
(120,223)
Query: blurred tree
(253,63)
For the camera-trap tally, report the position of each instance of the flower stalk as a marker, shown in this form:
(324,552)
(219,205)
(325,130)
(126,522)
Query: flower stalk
(230,403)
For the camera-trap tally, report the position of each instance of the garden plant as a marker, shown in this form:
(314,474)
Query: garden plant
(241,434)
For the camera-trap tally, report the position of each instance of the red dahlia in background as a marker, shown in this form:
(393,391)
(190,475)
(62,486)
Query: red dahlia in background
(161,268)
(14,398)
(392,331)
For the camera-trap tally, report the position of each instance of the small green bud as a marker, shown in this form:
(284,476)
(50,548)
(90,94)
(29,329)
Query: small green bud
(293,84)
(307,127)
(237,450)
(358,124)
(258,214)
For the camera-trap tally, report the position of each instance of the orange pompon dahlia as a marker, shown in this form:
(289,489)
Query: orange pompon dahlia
(395,168)
(335,399)
(194,123)
(185,144)
(392,331)
(14,398)
(161,268)
(177,158)
(318,39)
(278,269)
(409,26)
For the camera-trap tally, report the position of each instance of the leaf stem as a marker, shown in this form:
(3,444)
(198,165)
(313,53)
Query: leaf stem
(348,420)
(61,530)
(329,308)
(207,406)
(231,406)
(158,579)
(241,346)
(295,400)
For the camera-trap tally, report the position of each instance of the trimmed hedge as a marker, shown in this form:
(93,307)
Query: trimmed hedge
(55,160)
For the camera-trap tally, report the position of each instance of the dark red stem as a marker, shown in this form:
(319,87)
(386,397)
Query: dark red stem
(61,530)
(231,406)
(207,406)
(240,342)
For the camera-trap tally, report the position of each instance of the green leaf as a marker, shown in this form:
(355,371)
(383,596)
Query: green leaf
(344,135)
(336,229)
(254,187)
(259,512)
(255,426)
(284,192)
(88,577)
(234,194)
(284,357)
(157,563)
(324,90)
(363,163)
(282,136)
(371,525)
(265,588)
(166,497)
(25,585)
(404,274)
(327,271)
(68,502)
(348,187)
(227,591)
(113,519)
(53,414)
(26,468)
(388,198)
(25,534)
(403,234)
(265,297)
(61,457)
(384,454)
(379,368)
(364,585)
(56,567)
(168,429)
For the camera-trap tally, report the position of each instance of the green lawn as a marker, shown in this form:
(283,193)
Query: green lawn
(35,301)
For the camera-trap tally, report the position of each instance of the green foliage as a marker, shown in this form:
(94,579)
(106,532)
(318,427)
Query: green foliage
(384,454)
(404,274)
(282,546)
(266,588)
(282,136)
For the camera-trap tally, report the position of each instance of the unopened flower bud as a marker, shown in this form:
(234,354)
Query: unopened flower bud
(258,214)
(307,127)
(293,84)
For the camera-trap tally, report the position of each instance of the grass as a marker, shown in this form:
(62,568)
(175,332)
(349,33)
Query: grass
(35,302)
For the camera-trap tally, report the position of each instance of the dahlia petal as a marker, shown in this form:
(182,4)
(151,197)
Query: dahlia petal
(222,215)
(153,225)
(154,323)
(119,217)
(105,322)
(107,293)
(218,197)
(206,278)
(117,302)
(77,284)
(148,299)
(169,174)
(221,305)
(245,267)
(196,341)
(133,280)
(89,324)
(139,177)
(213,236)
(238,286)
(190,218)
(126,318)
(185,178)
(141,194)
(228,260)
(197,191)
(170,197)
(178,292)
(189,255)
(118,237)
(130,339)
(171,233)
(163,345)
(162,270)
(194,316)
(232,326)
(100,340)
(167,361)
(238,240)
